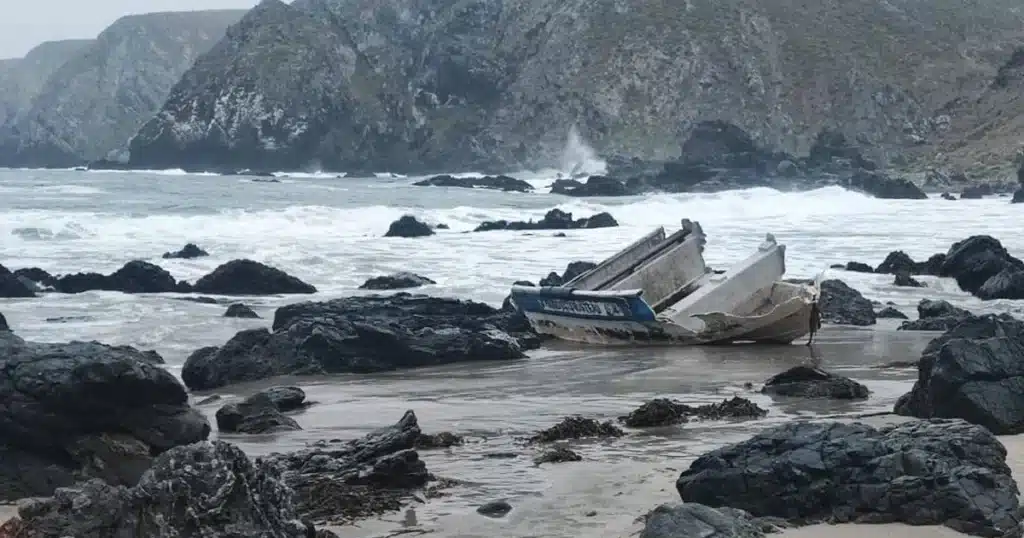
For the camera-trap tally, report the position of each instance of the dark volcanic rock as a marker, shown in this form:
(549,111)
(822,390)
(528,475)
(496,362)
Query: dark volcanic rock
(239,310)
(556,219)
(806,382)
(11,286)
(558,454)
(3,323)
(679,520)
(1007,284)
(438,440)
(573,270)
(396,281)
(1018,196)
(665,412)
(259,413)
(973,261)
(842,305)
(37,275)
(594,186)
(904,279)
(204,489)
(495,509)
(134,277)
(858,267)
(341,482)
(501,183)
(936,316)
(940,472)
(897,262)
(362,334)
(577,427)
(948,196)
(188,252)
(973,372)
(880,185)
(246,277)
(85,410)
(890,313)
(408,226)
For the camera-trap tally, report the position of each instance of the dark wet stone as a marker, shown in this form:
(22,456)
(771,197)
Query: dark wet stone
(558,454)
(1007,284)
(396,281)
(438,440)
(890,313)
(1018,196)
(188,252)
(936,316)
(858,267)
(11,286)
(134,277)
(495,509)
(239,310)
(665,412)
(973,261)
(807,382)
(556,219)
(36,275)
(3,323)
(948,196)
(501,183)
(256,414)
(842,305)
(880,185)
(686,520)
(204,489)
(973,372)
(209,400)
(577,427)
(247,277)
(924,473)
(408,226)
(904,279)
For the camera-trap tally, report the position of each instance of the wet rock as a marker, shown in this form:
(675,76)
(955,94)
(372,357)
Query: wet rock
(83,409)
(948,196)
(11,286)
(898,262)
(258,413)
(880,185)
(577,427)
(936,316)
(904,280)
(842,305)
(37,276)
(501,183)
(357,479)
(1007,284)
(678,520)
(807,382)
(1018,196)
(362,334)
(3,323)
(573,270)
(665,412)
(438,440)
(408,226)
(556,219)
(977,192)
(973,372)
(924,473)
(858,267)
(495,509)
(134,277)
(188,252)
(890,313)
(246,277)
(593,186)
(558,454)
(204,489)
(973,261)
(239,310)
(396,281)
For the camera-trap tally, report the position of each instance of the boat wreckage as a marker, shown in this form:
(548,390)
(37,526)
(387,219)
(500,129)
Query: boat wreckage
(659,291)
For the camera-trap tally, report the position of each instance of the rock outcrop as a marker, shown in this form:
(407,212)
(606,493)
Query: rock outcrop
(978,259)
(187,252)
(500,183)
(692,519)
(262,412)
(480,85)
(842,305)
(880,185)
(936,316)
(85,410)
(3,323)
(408,226)
(11,286)
(807,382)
(924,473)
(556,219)
(247,277)
(134,277)
(665,412)
(96,101)
(239,310)
(362,334)
(396,281)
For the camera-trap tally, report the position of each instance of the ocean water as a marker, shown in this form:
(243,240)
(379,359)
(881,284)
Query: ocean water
(328,231)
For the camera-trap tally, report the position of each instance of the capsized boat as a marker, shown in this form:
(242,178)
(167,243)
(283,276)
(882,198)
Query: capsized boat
(659,290)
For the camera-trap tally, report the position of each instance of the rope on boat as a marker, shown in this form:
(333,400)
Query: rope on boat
(815,322)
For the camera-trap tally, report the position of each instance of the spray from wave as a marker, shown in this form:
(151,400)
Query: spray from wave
(579,159)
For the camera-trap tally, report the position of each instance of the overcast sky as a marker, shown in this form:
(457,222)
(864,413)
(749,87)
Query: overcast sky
(26,23)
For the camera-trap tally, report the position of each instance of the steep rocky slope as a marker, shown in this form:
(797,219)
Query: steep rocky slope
(465,83)
(97,100)
(22,78)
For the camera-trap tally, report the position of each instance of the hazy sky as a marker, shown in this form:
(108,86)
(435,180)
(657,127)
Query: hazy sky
(26,23)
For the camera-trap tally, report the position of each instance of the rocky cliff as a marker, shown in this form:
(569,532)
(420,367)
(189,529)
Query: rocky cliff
(94,103)
(447,84)
(22,78)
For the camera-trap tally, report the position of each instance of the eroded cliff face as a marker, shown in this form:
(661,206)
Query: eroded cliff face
(449,84)
(96,100)
(22,78)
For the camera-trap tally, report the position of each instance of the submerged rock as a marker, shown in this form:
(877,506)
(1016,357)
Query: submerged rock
(807,382)
(239,310)
(188,252)
(558,454)
(974,372)
(890,313)
(858,267)
(924,473)
(438,440)
(556,219)
(247,277)
(665,412)
(501,183)
(204,489)
(903,279)
(396,281)
(84,409)
(495,509)
(595,186)
(842,305)
(679,520)
(408,226)
(362,334)
(577,427)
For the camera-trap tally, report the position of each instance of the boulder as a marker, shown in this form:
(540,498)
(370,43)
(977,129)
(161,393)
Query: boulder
(594,186)
(842,305)
(408,226)
(890,313)
(948,196)
(904,280)
(975,260)
(204,489)
(973,372)
(362,334)
(665,412)
(396,281)
(556,219)
(239,310)
(36,275)
(858,267)
(259,413)
(246,277)
(11,286)
(84,409)
(679,520)
(438,440)
(558,454)
(936,316)
(880,185)
(3,323)
(1018,196)
(343,481)
(807,382)
(188,252)
(501,183)
(494,509)
(942,472)
(577,427)
(1007,284)
(134,277)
